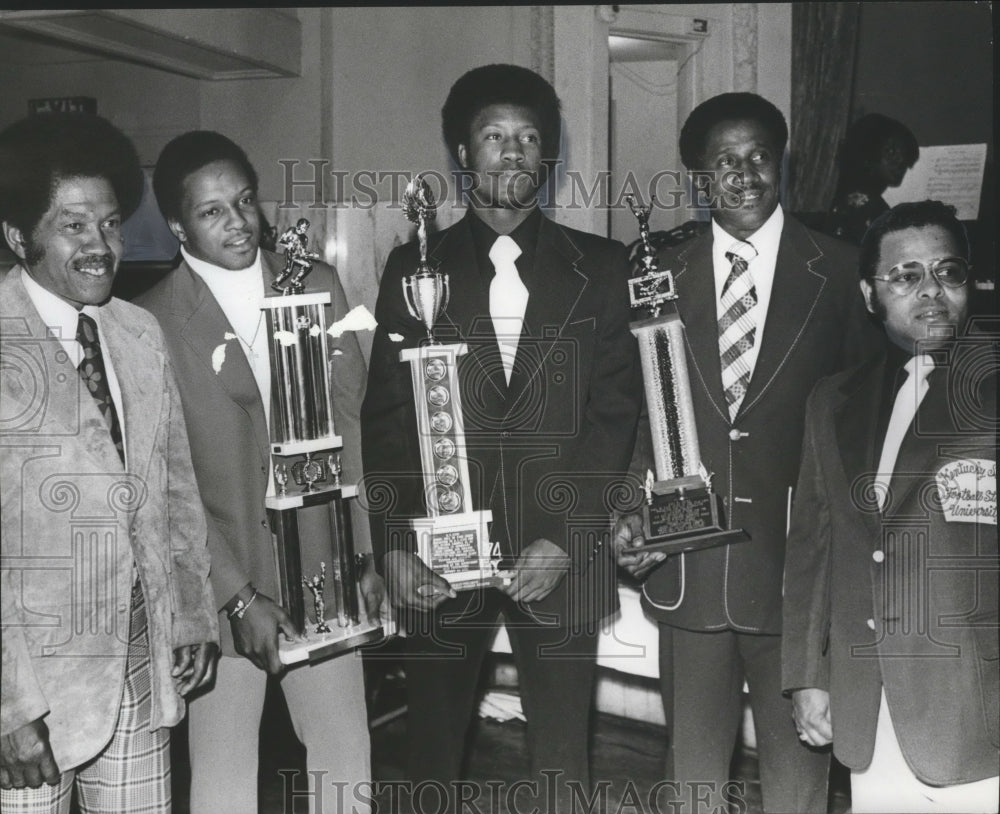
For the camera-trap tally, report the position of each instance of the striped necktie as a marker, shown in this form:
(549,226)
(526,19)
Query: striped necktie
(94,375)
(737,328)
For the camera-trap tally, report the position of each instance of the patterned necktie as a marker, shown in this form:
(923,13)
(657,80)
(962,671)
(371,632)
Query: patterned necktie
(904,408)
(95,376)
(737,329)
(508,299)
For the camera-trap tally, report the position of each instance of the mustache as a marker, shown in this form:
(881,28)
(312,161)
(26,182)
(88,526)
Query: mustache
(106,260)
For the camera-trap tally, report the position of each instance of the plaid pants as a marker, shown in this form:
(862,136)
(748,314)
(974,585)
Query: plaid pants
(132,774)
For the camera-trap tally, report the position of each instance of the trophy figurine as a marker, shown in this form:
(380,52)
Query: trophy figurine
(681,512)
(453,540)
(305,440)
(315,585)
(298,259)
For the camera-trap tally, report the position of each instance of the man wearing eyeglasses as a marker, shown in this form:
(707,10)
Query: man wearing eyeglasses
(890,606)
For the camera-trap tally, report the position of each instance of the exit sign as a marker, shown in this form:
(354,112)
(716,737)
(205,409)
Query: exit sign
(63,104)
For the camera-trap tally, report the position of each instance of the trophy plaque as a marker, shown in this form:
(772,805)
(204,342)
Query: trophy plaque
(681,512)
(306,447)
(453,540)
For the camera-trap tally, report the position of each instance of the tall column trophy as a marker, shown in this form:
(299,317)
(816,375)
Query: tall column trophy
(315,570)
(453,540)
(681,512)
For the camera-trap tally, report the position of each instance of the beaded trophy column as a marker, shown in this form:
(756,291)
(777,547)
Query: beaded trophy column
(681,512)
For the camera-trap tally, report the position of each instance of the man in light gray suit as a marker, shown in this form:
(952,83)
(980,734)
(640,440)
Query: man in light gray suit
(108,617)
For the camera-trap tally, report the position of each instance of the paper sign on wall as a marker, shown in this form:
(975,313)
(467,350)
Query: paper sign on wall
(952,173)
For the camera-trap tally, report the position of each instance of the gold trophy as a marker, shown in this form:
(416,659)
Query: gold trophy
(453,540)
(681,512)
(306,442)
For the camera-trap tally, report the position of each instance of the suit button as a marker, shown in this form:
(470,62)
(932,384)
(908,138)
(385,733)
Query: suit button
(734,434)
(871,624)
(878,556)
(263,523)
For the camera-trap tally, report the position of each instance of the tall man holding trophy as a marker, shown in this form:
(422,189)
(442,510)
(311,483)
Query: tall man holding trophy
(548,382)
(237,400)
(769,307)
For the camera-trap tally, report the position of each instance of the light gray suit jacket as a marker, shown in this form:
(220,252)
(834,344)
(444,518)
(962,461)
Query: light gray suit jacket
(73,523)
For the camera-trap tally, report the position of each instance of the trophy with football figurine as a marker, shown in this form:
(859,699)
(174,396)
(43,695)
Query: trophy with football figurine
(305,445)
(681,512)
(453,539)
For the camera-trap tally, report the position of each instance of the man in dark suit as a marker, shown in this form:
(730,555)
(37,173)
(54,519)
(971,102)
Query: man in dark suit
(769,307)
(550,412)
(107,613)
(210,310)
(890,616)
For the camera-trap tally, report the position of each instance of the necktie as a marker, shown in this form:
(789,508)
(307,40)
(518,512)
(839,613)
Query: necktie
(508,299)
(737,329)
(95,376)
(903,410)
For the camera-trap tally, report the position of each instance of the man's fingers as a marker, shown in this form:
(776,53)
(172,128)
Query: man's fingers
(182,661)
(50,771)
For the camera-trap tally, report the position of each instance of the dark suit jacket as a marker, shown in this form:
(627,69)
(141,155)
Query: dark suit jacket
(543,450)
(904,598)
(815,326)
(230,442)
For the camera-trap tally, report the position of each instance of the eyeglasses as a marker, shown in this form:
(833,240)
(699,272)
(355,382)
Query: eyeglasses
(951,272)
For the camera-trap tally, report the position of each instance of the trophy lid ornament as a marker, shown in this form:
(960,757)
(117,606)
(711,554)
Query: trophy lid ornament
(653,287)
(426,291)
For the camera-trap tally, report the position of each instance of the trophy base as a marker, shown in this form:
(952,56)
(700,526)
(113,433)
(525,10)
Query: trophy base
(297,497)
(458,548)
(320,646)
(685,515)
(475,579)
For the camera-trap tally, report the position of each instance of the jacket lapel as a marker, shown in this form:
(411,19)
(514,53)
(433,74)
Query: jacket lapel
(918,452)
(467,315)
(139,369)
(695,281)
(204,331)
(799,278)
(551,306)
(855,421)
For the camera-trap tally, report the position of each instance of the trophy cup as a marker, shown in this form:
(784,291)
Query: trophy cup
(681,512)
(453,540)
(304,438)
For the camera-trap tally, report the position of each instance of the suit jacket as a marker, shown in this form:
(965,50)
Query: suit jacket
(543,449)
(815,326)
(905,598)
(230,441)
(74,522)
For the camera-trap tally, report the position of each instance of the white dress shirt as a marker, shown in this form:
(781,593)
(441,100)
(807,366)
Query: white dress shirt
(62,319)
(765,240)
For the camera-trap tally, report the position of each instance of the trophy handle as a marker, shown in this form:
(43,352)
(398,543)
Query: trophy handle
(408,298)
(446,293)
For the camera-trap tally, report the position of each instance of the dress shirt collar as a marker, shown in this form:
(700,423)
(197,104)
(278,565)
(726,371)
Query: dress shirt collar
(59,316)
(765,240)
(525,235)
